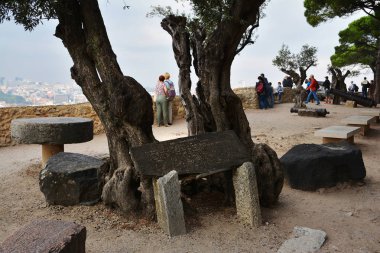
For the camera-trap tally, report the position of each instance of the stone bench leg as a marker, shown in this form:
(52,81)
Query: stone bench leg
(326,140)
(169,209)
(49,150)
(364,129)
(246,193)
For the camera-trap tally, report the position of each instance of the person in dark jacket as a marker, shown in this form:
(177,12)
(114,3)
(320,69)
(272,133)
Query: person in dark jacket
(327,85)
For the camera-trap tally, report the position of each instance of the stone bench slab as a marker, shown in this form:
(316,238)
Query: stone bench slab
(47,236)
(340,132)
(359,120)
(199,154)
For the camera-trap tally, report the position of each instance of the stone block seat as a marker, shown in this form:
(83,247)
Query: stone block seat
(373,112)
(70,179)
(362,121)
(311,166)
(51,132)
(47,236)
(337,133)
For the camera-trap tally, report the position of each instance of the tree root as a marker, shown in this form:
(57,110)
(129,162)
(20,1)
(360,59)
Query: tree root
(270,175)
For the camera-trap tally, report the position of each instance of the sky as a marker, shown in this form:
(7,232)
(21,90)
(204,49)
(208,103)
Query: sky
(144,49)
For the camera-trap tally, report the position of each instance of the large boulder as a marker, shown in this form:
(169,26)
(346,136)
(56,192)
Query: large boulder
(311,166)
(70,179)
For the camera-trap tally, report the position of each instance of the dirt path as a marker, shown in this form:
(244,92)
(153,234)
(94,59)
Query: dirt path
(350,214)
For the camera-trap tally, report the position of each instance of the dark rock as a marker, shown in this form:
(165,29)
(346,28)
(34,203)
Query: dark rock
(310,166)
(47,236)
(70,179)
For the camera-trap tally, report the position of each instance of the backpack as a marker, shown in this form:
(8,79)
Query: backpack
(317,85)
(171,90)
(260,87)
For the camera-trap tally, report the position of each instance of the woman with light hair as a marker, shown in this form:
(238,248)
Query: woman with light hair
(170,96)
(161,101)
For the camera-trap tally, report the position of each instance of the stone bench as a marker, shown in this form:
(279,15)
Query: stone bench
(337,133)
(361,121)
(200,155)
(375,113)
(45,236)
(51,132)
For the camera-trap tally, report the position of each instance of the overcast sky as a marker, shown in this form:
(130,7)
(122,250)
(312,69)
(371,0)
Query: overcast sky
(144,49)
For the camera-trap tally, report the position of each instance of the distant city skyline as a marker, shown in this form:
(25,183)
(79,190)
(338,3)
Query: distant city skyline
(144,49)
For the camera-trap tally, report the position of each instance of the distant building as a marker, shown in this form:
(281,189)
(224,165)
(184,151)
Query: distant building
(60,99)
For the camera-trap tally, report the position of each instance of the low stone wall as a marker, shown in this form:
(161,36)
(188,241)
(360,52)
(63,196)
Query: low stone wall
(288,95)
(248,97)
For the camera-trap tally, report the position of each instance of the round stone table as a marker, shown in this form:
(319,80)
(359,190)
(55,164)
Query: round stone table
(51,132)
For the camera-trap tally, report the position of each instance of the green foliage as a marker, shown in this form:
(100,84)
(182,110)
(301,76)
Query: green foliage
(287,60)
(358,44)
(318,11)
(28,13)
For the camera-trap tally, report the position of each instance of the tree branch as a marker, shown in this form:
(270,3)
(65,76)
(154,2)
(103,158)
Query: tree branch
(247,40)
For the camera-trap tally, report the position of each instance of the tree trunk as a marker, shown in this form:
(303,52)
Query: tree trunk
(218,103)
(377,78)
(115,98)
(338,82)
(176,27)
(300,93)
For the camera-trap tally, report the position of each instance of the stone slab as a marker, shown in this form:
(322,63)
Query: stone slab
(305,240)
(45,236)
(246,195)
(191,155)
(350,103)
(370,113)
(375,113)
(52,130)
(341,132)
(169,209)
(359,120)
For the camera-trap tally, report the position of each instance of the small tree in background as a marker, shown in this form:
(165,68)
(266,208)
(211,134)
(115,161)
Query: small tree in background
(319,11)
(296,66)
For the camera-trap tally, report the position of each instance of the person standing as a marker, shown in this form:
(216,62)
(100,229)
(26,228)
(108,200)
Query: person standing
(270,96)
(365,85)
(280,90)
(327,86)
(161,101)
(312,88)
(260,89)
(371,90)
(171,95)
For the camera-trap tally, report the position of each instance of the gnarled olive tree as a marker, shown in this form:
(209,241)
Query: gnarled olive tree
(212,39)
(290,63)
(122,104)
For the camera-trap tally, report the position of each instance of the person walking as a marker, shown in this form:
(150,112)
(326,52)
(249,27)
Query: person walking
(161,101)
(170,96)
(312,88)
(365,85)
